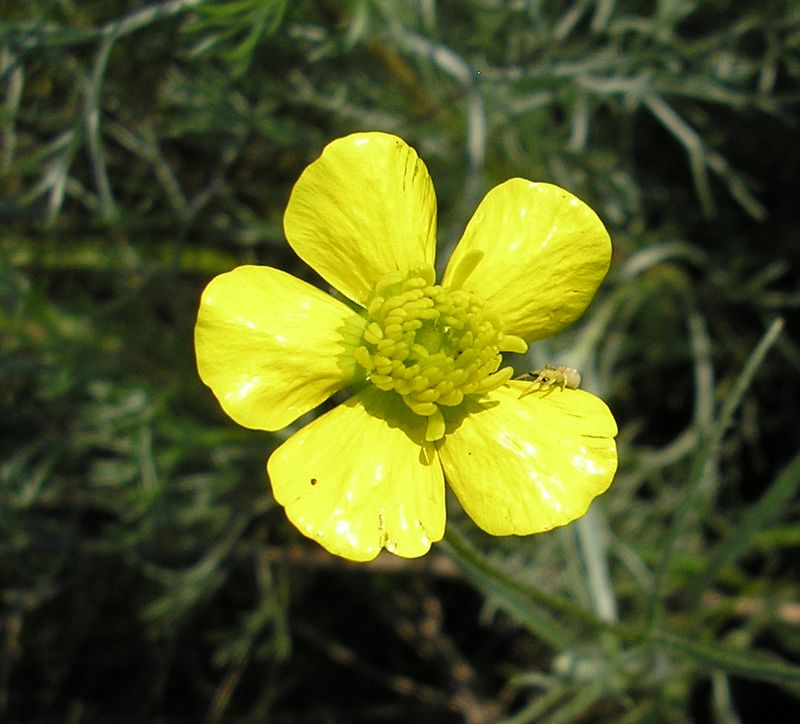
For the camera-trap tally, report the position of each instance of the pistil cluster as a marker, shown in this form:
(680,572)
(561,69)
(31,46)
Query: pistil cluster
(432,345)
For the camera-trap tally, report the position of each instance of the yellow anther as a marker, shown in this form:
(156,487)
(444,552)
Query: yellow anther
(435,428)
(373,333)
(394,331)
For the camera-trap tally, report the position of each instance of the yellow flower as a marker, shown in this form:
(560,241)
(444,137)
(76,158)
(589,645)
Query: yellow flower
(430,399)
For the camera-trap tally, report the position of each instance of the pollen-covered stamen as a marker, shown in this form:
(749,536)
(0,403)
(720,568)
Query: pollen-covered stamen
(432,345)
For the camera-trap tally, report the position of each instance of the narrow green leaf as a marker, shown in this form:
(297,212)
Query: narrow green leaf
(584,698)
(747,663)
(703,459)
(497,585)
(754,521)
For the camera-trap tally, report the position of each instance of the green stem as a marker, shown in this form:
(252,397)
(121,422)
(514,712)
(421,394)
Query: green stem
(518,597)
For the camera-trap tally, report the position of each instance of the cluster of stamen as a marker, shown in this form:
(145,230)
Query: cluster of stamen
(432,345)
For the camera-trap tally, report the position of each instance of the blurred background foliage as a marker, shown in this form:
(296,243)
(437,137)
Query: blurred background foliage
(146,573)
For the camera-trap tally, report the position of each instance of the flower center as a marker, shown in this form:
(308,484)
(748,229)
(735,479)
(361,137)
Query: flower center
(432,345)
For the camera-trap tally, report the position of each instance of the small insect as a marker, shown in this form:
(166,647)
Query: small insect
(550,376)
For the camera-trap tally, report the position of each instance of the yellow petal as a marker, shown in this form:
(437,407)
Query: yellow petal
(545,254)
(528,465)
(270,346)
(355,481)
(365,208)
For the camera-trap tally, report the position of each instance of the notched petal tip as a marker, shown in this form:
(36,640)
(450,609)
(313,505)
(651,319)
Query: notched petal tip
(373,488)
(365,208)
(271,347)
(546,253)
(529,465)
